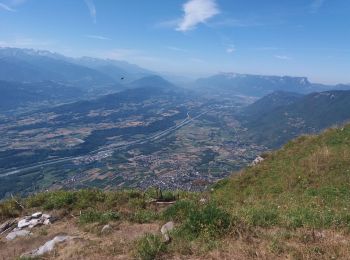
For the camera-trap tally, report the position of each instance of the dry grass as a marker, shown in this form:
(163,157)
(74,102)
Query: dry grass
(87,245)
(279,243)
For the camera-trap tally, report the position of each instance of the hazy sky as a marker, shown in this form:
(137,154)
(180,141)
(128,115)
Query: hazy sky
(191,37)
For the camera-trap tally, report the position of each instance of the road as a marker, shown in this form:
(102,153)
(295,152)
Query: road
(154,137)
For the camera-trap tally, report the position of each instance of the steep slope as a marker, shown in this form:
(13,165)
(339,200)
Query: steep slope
(306,183)
(269,103)
(308,114)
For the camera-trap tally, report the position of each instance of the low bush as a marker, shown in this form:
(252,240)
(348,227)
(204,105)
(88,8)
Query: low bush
(9,209)
(144,216)
(179,211)
(209,221)
(149,247)
(93,216)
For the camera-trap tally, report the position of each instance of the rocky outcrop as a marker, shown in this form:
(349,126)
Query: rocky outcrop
(17,233)
(47,247)
(23,224)
(34,220)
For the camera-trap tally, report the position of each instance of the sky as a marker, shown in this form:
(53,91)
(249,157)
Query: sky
(192,38)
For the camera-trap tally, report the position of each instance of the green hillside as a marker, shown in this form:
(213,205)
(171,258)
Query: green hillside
(294,205)
(306,183)
(274,125)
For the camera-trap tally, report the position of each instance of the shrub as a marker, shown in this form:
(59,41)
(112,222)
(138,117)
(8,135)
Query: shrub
(9,209)
(179,211)
(87,198)
(149,247)
(137,203)
(38,200)
(93,216)
(144,216)
(116,199)
(167,196)
(59,199)
(210,221)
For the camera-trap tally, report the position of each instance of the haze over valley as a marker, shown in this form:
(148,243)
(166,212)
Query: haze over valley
(88,122)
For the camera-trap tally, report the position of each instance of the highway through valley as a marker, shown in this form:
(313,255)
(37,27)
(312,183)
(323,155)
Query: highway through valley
(109,149)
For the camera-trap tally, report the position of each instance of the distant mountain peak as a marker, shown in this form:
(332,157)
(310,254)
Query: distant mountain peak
(254,85)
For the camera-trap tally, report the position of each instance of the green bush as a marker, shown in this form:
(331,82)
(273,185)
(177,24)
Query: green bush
(38,200)
(179,211)
(144,216)
(87,198)
(59,200)
(137,203)
(9,209)
(210,221)
(167,196)
(94,216)
(149,247)
(116,199)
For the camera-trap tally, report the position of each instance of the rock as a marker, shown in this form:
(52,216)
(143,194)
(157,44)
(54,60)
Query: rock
(17,233)
(165,230)
(203,200)
(106,229)
(23,223)
(47,247)
(46,216)
(257,160)
(37,215)
(53,219)
(35,222)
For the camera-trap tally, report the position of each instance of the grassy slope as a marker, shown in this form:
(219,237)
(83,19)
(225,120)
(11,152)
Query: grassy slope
(306,183)
(294,205)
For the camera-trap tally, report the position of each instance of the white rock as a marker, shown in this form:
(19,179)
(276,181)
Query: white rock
(37,215)
(203,200)
(23,223)
(17,233)
(166,228)
(35,222)
(257,160)
(46,216)
(106,229)
(47,247)
(47,221)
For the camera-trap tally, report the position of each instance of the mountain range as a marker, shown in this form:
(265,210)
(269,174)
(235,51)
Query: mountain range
(27,65)
(259,85)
